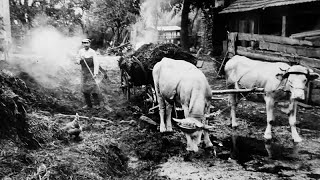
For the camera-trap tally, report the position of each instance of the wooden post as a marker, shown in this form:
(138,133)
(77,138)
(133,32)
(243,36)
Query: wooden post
(309,93)
(252,27)
(284,26)
(232,38)
(243,28)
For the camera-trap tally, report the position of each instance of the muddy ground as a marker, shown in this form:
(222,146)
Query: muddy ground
(126,148)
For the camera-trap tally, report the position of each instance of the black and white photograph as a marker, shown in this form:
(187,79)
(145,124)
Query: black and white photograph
(159,90)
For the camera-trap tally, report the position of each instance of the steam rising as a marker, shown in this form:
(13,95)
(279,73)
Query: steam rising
(144,31)
(48,56)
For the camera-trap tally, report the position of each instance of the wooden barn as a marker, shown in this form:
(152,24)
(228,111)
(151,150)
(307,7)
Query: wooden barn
(273,17)
(275,30)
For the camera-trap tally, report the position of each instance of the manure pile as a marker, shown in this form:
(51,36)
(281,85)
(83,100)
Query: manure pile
(139,64)
(33,146)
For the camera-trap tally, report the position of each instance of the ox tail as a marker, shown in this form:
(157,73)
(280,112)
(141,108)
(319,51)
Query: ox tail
(155,76)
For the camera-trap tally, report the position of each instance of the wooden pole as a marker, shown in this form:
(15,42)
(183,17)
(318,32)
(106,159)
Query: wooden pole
(232,37)
(252,27)
(230,91)
(284,26)
(309,93)
(84,117)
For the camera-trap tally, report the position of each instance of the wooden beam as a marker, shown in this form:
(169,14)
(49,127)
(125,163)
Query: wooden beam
(262,55)
(295,50)
(306,34)
(278,57)
(276,39)
(309,62)
(230,91)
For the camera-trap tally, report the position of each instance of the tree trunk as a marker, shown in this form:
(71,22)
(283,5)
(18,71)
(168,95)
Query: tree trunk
(184,25)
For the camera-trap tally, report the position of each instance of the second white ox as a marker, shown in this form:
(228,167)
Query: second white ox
(278,79)
(178,81)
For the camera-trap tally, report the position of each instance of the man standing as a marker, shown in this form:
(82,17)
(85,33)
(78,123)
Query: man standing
(87,58)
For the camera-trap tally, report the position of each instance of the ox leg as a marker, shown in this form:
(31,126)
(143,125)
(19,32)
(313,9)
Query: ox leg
(270,116)
(162,107)
(185,111)
(292,121)
(206,137)
(168,116)
(233,104)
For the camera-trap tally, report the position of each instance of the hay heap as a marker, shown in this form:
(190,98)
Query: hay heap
(148,55)
(16,99)
(14,96)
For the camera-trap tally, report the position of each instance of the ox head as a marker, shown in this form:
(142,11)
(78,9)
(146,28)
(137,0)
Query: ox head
(193,130)
(297,78)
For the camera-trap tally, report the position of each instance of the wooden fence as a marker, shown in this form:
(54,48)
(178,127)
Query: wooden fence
(276,49)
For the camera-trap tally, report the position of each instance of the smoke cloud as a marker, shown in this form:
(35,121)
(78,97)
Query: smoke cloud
(49,57)
(144,31)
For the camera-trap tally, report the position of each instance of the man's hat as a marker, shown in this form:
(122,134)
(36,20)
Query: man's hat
(86,41)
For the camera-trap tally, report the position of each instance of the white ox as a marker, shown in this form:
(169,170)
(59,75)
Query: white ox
(178,81)
(278,79)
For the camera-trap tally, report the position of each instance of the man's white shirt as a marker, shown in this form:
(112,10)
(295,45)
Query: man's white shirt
(90,53)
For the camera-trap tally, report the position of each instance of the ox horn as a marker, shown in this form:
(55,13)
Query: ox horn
(185,124)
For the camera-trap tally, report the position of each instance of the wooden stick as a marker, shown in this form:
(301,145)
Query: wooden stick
(230,91)
(148,120)
(85,117)
(119,46)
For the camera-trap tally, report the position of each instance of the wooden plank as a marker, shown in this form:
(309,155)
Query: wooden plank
(306,34)
(275,39)
(278,57)
(230,91)
(262,55)
(296,50)
(309,62)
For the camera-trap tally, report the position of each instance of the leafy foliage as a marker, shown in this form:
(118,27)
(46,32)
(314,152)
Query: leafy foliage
(114,16)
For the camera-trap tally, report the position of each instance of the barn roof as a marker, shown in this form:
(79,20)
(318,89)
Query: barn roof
(249,5)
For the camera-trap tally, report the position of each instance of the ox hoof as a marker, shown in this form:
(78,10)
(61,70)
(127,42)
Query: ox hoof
(297,140)
(267,137)
(188,156)
(234,124)
(211,150)
(235,127)
(163,129)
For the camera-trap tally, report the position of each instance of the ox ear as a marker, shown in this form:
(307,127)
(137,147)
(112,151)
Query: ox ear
(313,76)
(283,74)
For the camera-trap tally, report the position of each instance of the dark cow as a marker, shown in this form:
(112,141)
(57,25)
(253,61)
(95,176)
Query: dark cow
(278,79)
(178,81)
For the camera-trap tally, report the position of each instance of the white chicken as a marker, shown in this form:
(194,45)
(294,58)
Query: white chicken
(73,127)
